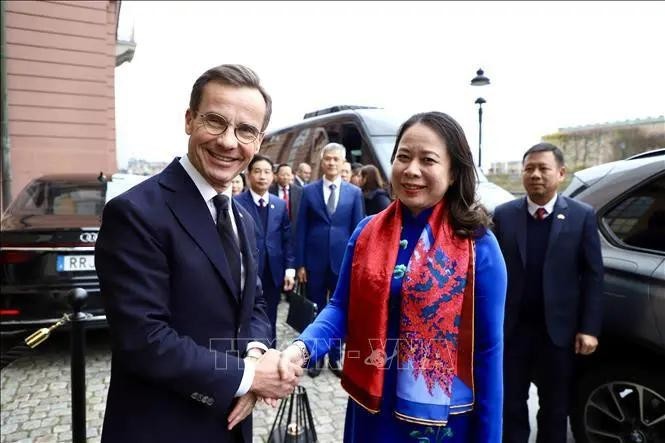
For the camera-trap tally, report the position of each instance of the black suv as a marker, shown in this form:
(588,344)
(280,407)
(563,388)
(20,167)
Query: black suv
(621,392)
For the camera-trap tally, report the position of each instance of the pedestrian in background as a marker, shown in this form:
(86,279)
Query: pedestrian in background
(330,210)
(375,196)
(554,303)
(289,192)
(420,300)
(355,173)
(303,174)
(345,172)
(238,184)
(273,236)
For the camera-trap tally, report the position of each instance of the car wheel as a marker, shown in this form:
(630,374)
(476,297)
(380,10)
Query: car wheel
(620,405)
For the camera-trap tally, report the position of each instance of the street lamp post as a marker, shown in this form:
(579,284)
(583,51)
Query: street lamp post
(480,101)
(480,80)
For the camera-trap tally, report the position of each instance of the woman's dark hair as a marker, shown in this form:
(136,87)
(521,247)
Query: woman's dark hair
(467,215)
(372,178)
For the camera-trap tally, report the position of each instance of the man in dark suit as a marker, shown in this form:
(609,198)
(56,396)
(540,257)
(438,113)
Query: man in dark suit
(329,211)
(303,174)
(290,193)
(273,235)
(176,261)
(553,305)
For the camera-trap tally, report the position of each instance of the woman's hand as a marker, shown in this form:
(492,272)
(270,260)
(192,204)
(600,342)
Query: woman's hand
(291,356)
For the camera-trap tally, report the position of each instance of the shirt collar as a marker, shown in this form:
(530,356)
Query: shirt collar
(337,182)
(549,206)
(205,189)
(256,197)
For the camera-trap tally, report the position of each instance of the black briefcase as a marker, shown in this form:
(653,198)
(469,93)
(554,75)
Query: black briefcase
(301,310)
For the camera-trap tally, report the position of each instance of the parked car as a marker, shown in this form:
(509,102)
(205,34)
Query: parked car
(369,137)
(621,392)
(47,248)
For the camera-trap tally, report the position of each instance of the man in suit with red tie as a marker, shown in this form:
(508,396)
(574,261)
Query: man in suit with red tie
(273,235)
(329,211)
(176,260)
(285,189)
(554,299)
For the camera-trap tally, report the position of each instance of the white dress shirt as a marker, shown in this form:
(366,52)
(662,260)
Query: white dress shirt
(533,207)
(208,193)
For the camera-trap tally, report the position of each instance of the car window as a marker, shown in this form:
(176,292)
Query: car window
(639,218)
(60,198)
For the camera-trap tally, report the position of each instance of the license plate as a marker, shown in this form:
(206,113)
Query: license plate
(75,263)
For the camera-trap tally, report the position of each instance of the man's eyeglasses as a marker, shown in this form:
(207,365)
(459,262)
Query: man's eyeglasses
(216,124)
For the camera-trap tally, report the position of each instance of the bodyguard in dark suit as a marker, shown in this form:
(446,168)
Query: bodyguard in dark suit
(329,211)
(176,261)
(553,305)
(273,235)
(286,189)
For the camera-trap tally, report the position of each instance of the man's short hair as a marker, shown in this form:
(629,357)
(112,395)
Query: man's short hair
(546,147)
(258,158)
(282,165)
(334,147)
(230,75)
(300,166)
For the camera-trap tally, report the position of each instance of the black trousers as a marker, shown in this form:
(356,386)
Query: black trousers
(530,355)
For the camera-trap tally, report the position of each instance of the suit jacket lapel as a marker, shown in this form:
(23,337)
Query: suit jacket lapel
(520,229)
(558,215)
(319,197)
(193,214)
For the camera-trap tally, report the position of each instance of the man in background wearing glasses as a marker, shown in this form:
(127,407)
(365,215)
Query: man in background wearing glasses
(177,267)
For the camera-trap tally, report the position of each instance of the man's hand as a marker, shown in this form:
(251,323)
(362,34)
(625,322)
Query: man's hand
(289,282)
(290,356)
(242,409)
(585,344)
(268,383)
(302,275)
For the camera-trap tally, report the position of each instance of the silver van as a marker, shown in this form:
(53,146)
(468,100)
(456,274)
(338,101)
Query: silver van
(369,137)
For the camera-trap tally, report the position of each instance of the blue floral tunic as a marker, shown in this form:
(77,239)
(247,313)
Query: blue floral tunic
(483,424)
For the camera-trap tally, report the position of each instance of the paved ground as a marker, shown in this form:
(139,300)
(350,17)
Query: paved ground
(35,396)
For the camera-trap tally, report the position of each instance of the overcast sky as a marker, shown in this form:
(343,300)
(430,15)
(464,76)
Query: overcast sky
(551,64)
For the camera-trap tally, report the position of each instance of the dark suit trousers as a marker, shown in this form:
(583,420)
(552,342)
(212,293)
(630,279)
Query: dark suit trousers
(529,354)
(272,295)
(319,284)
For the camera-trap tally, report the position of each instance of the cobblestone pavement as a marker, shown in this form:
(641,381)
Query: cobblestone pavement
(35,396)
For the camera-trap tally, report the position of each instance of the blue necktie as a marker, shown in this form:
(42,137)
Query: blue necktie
(331,200)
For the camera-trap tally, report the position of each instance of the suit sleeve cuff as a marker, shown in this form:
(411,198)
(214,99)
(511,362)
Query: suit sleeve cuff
(247,378)
(291,272)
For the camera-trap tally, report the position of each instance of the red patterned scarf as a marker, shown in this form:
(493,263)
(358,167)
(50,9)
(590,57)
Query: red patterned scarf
(436,322)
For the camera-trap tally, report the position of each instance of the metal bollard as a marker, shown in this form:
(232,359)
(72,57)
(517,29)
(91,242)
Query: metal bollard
(77,298)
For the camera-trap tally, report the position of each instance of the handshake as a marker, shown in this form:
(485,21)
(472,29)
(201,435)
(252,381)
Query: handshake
(276,375)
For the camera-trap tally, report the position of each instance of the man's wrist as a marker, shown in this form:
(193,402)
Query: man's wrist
(304,353)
